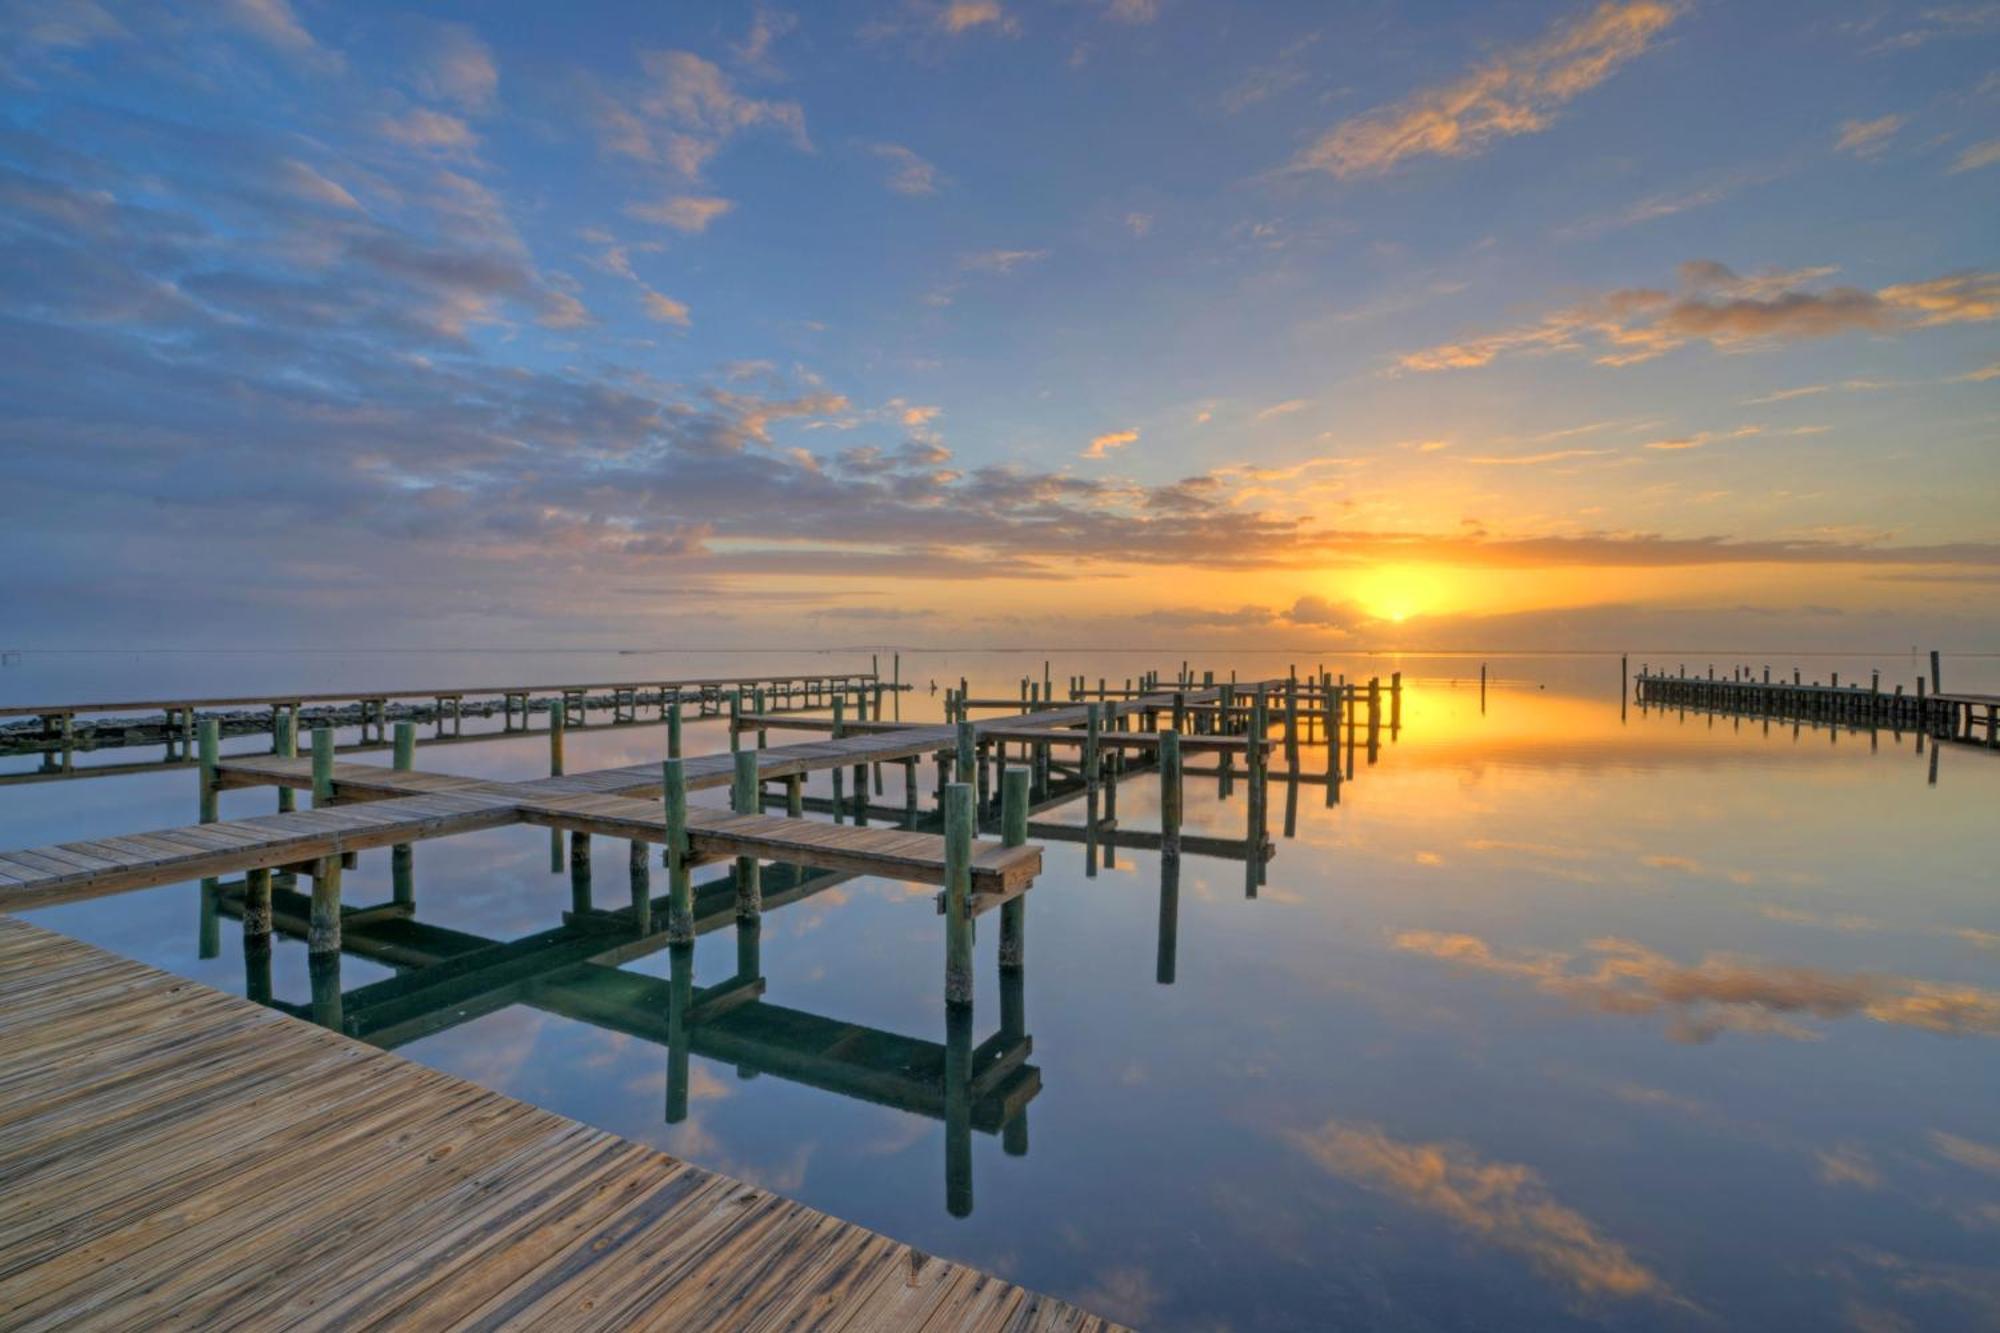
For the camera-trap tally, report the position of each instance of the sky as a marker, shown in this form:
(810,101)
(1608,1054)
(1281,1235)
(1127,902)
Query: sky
(1519,324)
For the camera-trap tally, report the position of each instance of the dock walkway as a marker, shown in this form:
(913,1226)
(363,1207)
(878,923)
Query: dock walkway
(173,1157)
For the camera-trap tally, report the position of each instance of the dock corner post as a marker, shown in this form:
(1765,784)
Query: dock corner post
(735,720)
(1170,793)
(557,725)
(579,872)
(209,938)
(322,773)
(962,757)
(1937,682)
(680,882)
(210,755)
(674,727)
(642,885)
(323,929)
(257,936)
(958,824)
(287,747)
(743,801)
(405,754)
(1013,833)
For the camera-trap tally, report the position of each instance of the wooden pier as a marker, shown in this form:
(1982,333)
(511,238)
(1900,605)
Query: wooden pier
(457,1206)
(1972,719)
(178,1158)
(64,728)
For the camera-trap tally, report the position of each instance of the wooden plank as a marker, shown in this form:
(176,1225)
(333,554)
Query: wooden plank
(179,1158)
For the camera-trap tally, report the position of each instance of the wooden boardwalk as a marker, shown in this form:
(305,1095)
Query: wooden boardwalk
(173,1157)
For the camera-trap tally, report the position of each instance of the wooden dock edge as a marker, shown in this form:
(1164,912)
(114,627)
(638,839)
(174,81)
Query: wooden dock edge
(172,1156)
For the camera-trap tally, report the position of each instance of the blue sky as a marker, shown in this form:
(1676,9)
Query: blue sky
(1536,323)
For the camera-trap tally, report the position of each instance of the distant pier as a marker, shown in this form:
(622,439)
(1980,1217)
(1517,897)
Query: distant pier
(1971,719)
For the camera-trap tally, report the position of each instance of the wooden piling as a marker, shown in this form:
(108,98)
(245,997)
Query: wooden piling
(680,880)
(958,826)
(1170,793)
(1013,833)
(322,766)
(579,872)
(743,801)
(323,927)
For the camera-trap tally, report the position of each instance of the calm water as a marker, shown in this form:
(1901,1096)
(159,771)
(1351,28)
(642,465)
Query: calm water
(1560,1018)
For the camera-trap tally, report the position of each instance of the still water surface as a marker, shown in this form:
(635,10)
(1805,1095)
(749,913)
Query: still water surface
(1565,1016)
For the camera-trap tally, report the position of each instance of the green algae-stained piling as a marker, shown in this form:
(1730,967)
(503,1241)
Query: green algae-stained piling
(958,825)
(1014,833)
(680,891)
(743,799)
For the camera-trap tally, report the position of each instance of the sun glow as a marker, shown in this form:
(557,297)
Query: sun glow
(1397,592)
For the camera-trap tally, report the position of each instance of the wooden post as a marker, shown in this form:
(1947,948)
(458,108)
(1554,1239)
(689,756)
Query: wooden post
(287,747)
(404,756)
(958,1109)
(1937,684)
(1013,833)
(735,719)
(680,880)
(674,728)
(579,872)
(963,757)
(1292,722)
(557,725)
(958,824)
(1170,793)
(322,788)
(680,998)
(743,801)
(1092,725)
(209,757)
(323,928)
(839,778)
(642,884)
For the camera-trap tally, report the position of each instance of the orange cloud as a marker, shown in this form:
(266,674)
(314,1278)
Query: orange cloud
(1110,440)
(1517,92)
(1503,1203)
(1727,310)
(1721,993)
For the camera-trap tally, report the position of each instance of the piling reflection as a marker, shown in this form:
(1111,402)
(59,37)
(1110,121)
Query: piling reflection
(449,977)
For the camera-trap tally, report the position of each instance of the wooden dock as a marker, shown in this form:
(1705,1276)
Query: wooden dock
(63,728)
(1972,719)
(173,1157)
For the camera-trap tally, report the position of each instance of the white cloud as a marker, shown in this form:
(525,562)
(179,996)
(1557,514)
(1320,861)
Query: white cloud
(1979,155)
(461,69)
(1867,138)
(909,174)
(430,130)
(999,261)
(666,309)
(688,213)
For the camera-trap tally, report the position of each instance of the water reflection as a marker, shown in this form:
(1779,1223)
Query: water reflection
(447,977)
(1418,1081)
